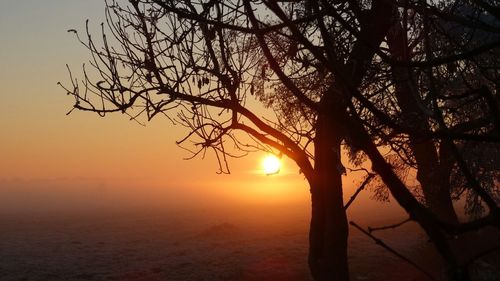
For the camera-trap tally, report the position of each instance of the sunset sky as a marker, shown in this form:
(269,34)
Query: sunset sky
(41,146)
(84,197)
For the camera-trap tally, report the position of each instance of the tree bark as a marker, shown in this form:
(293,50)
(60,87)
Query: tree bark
(435,182)
(329,228)
(433,173)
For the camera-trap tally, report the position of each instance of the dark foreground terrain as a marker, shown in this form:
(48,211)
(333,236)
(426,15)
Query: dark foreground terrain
(253,243)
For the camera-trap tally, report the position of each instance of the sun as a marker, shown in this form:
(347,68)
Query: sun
(271,164)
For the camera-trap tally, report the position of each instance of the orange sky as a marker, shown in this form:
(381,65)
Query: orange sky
(41,146)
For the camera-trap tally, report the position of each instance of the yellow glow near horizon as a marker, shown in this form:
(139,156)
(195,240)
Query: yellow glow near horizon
(271,164)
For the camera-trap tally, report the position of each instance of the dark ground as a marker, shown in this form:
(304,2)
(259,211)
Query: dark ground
(265,243)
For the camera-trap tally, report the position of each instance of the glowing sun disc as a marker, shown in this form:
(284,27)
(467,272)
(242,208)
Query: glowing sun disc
(271,165)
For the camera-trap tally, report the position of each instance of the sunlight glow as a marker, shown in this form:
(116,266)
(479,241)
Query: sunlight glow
(271,164)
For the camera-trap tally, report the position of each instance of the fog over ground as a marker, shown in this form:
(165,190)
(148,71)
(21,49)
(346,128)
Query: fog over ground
(90,229)
(73,195)
(70,230)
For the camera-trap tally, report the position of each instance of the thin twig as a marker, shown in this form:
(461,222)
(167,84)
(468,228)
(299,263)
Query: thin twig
(360,188)
(391,250)
(392,226)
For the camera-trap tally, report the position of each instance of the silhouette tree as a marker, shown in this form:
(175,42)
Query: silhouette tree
(314,64)
(419,95)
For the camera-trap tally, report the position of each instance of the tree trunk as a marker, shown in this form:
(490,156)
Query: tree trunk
(435,181)
(433,173)
(329,228)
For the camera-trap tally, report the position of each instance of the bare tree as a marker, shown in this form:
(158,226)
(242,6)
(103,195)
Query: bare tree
(204,63)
